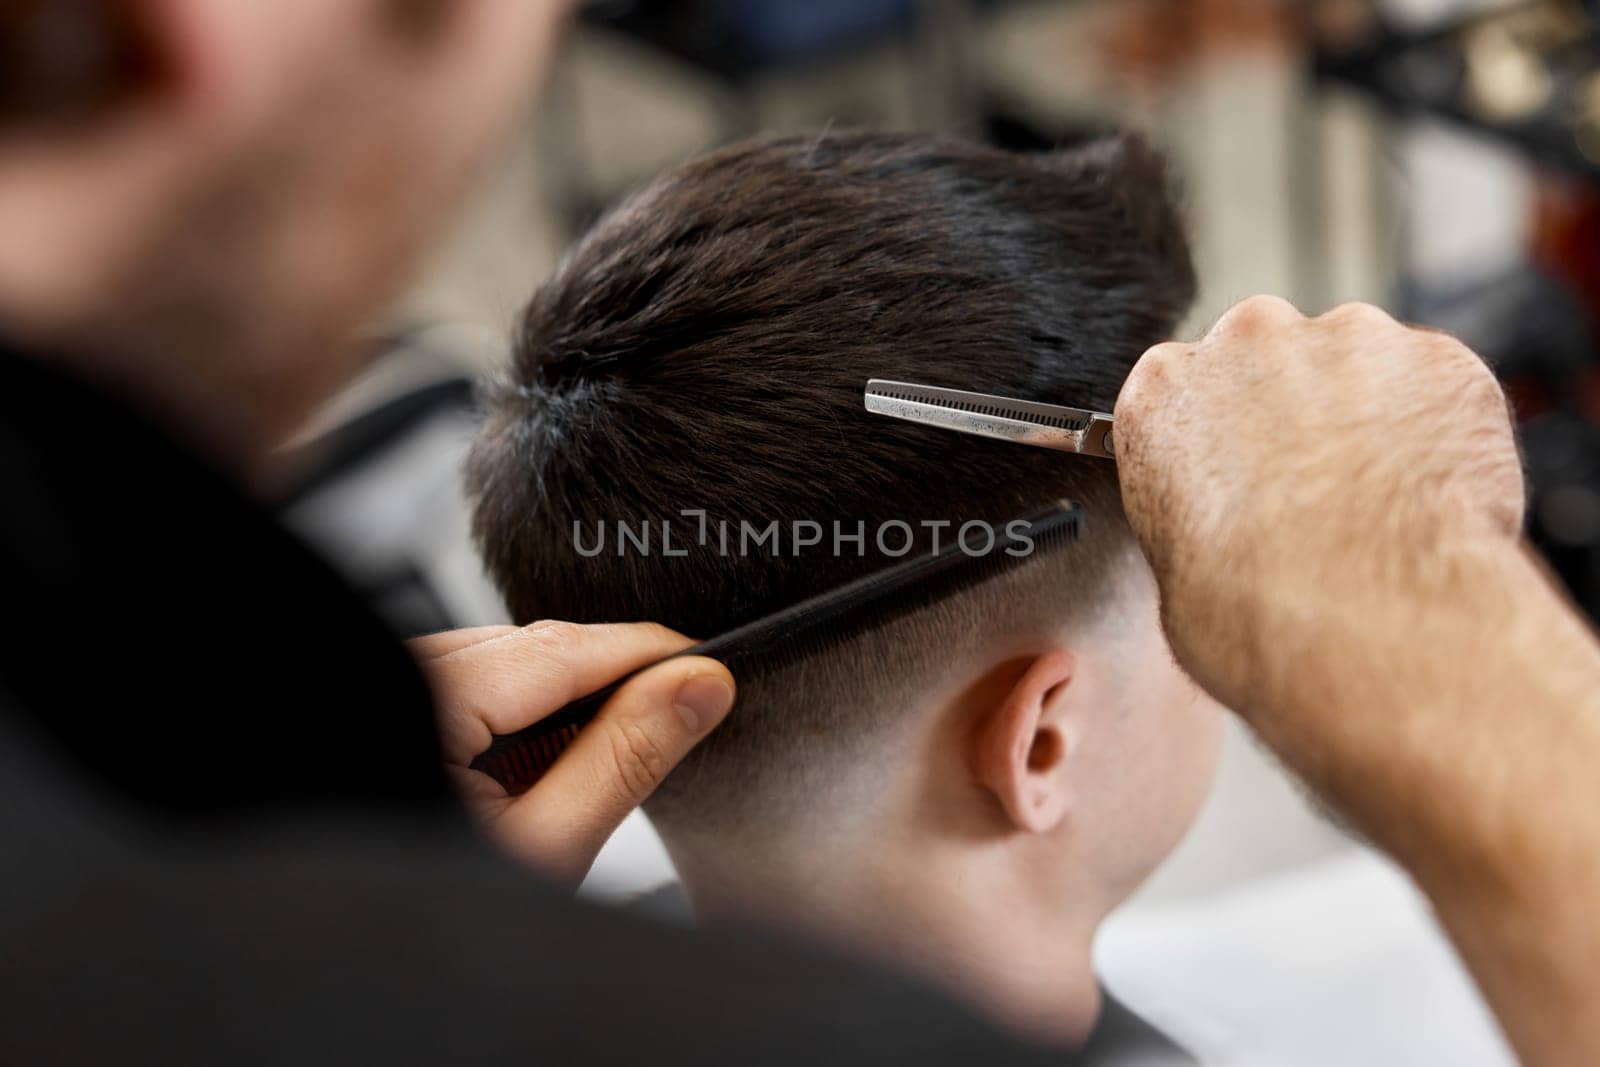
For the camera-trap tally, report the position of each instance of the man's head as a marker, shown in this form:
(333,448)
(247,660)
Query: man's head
(214,194)
(705,348)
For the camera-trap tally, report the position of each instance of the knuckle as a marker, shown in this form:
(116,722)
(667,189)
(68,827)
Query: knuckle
(1446,348)
(1161,358)
(552,638)
(638,759)
(1256,315)
(1152,374)
(551,649)
(1358,313)
(1447,344)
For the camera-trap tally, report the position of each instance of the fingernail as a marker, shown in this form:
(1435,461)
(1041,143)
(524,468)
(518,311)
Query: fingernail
(702,700)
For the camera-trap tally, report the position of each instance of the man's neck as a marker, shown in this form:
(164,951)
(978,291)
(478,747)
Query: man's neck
(968,920)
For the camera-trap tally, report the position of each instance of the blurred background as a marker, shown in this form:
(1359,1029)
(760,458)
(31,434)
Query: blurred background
(1436,157)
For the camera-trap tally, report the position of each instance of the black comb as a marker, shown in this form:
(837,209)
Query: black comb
(518,760)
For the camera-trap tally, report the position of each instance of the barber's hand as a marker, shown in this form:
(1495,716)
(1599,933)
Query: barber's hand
(498,679)
(1286,474)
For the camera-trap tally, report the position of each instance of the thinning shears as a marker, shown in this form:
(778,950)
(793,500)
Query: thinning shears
(1025,422)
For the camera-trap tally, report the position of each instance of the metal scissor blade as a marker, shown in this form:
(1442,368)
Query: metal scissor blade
(1025,422)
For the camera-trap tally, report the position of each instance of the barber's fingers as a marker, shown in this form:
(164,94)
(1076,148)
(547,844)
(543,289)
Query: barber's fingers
(614,764)
(1254,316)
(496,680)
(514,679)
(431,646)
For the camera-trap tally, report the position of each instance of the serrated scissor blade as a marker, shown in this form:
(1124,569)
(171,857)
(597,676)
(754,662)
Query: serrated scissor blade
(1024,422)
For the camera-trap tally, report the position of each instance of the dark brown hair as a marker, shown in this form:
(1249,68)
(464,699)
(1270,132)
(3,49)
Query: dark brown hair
(706,345)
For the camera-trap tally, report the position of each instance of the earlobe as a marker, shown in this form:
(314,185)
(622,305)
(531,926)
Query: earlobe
(1023,744)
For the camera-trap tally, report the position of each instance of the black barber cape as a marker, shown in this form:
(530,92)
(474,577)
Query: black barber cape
(227,837)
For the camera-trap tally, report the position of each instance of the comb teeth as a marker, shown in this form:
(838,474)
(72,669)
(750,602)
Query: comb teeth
(976,407)
(526,763)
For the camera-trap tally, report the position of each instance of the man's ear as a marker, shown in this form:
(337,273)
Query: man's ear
(1023,744)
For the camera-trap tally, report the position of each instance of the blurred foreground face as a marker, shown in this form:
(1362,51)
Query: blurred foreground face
(245,186)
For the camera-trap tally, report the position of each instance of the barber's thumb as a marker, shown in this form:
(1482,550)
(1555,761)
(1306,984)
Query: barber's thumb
(616,762)
(703,698)
(653,721)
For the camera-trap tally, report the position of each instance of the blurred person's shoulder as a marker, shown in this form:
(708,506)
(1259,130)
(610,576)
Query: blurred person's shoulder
(139,576)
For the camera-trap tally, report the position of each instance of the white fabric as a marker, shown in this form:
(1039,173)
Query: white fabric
(1337,963)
